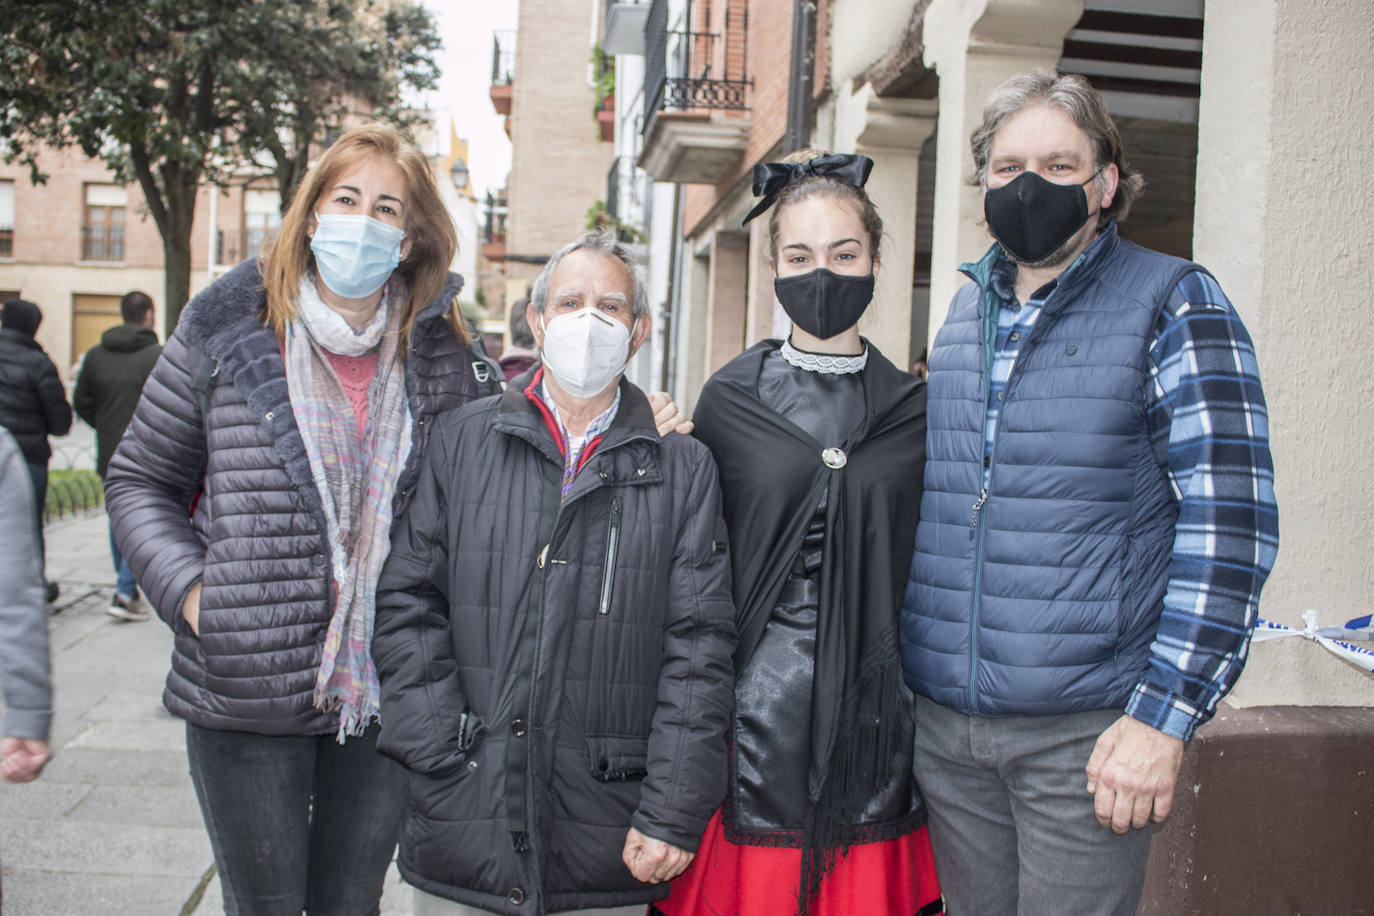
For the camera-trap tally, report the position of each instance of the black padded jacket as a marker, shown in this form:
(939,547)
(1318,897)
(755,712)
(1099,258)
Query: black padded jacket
(554,673)
(257,540)
(33,403)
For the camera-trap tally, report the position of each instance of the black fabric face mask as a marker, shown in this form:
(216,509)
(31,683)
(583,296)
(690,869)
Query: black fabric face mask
(1032,217)
(823,303)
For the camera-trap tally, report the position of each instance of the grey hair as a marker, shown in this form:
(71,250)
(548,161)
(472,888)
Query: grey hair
(599,241)
(1084,105)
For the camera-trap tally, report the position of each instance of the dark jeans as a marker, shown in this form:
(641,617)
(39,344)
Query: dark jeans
(38,473)
(297,823)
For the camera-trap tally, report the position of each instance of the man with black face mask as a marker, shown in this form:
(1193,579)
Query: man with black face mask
(1098,520)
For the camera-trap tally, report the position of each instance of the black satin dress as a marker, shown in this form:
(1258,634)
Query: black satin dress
(772,729)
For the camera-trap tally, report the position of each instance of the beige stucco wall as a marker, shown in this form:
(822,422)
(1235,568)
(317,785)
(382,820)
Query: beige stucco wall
(1285,219)
(861,31)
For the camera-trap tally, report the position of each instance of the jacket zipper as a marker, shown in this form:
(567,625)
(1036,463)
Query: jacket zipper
(978,524)
(612,546)
(518,761)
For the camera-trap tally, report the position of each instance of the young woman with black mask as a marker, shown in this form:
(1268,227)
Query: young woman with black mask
(820,442)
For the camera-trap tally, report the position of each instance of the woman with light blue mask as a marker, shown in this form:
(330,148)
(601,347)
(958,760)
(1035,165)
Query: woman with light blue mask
(291,408)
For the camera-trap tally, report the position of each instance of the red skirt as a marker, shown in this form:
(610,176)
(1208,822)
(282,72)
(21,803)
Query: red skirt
(889,878)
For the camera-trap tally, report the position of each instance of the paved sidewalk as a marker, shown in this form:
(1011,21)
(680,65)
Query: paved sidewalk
(112,826)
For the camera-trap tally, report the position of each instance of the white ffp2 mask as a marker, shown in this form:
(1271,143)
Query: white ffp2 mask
(585,350)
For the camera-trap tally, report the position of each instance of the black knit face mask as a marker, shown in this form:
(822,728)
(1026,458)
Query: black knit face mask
(823,303)
(1032,217)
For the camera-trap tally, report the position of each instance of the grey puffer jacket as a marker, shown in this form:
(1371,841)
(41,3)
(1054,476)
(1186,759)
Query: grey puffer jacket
(555,674)
(257,540)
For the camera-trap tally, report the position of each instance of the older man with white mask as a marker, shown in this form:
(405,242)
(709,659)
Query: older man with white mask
(555,627)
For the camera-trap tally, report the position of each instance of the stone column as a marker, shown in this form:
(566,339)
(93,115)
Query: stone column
(975,46)
(1284,218)
(890,132)
(725,319)
(760,309)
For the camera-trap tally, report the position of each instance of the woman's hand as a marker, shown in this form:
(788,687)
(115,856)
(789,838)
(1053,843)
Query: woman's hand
(190,608)
(653,861)
(667,418)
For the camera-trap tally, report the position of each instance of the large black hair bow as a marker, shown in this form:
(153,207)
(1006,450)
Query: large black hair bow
(770,178)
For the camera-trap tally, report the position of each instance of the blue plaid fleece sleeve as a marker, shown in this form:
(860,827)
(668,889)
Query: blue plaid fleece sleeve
(1210,426)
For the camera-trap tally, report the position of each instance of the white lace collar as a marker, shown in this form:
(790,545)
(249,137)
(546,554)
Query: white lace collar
(823,363)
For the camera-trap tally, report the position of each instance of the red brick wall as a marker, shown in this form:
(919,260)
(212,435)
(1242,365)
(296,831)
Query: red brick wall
(48,218)
(767,54)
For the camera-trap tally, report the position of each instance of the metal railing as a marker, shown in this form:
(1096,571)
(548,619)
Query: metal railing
(72,495)
(502,58)
(682,70)
(494,225)
(627,190)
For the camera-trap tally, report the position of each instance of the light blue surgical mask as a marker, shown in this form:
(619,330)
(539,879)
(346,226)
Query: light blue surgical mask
(355,254)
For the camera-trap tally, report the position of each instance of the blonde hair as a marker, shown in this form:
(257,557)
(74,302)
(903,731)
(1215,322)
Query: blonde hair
(823,186)
(433,241)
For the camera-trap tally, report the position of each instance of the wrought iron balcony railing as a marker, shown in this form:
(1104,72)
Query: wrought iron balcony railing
(686,71)
(502,58)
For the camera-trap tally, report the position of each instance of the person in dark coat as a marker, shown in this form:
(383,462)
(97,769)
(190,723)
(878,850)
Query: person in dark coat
(33,403)
(107,389)
(521,354)
(292,406)
(555,627)
(820,443)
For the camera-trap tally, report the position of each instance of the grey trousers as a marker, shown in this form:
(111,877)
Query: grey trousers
(1011,821)
(429,905)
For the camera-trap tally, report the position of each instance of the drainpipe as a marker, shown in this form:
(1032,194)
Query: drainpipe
(668,381)
(800,76)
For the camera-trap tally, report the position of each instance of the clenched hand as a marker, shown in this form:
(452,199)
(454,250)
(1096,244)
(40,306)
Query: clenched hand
(653,861)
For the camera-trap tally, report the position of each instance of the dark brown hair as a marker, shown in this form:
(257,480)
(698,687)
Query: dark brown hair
(823,186)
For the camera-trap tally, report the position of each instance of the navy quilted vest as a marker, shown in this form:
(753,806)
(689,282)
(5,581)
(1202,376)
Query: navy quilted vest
(1048,601)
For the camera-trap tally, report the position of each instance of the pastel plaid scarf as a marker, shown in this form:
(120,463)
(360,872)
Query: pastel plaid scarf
(356,479)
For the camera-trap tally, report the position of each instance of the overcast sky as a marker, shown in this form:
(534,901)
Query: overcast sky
(466,27)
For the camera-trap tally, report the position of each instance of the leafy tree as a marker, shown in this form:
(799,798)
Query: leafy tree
(173,93)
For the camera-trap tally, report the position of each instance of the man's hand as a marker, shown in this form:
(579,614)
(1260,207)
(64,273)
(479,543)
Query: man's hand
(1132,773)
(22,759)
(653,861)
(667,417)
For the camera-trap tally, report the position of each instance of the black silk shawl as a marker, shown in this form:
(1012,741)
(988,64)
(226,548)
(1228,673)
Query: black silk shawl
(772,477)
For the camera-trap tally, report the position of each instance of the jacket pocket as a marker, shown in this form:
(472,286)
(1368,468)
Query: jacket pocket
(616,759)
(603,606)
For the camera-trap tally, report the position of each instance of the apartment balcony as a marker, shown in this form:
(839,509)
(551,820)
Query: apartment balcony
(494,227)
(623,26)
(502,73)
(695,100)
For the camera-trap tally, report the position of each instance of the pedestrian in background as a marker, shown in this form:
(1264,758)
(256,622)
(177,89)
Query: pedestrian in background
(296,396)
(107,389)
(820,442)
(521,354)
(33,405)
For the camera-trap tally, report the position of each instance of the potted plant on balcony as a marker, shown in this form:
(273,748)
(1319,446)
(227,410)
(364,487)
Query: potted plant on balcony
(603,65)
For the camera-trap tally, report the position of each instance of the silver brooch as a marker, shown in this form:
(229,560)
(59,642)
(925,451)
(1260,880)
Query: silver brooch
(834,458)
